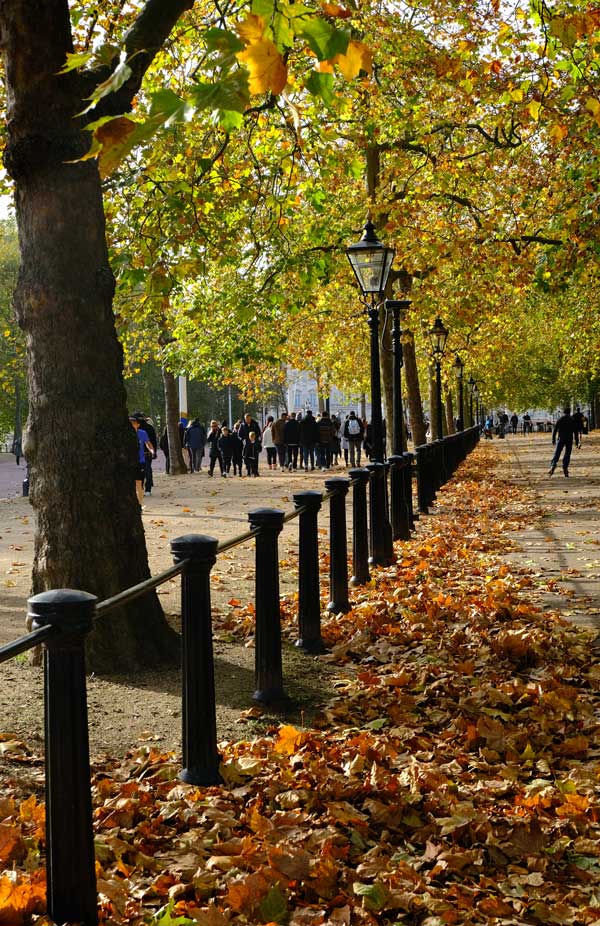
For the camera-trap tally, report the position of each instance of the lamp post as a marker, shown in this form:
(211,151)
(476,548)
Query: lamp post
(438,335)
(458,370)
(371,262)
(476,397)
(397,306)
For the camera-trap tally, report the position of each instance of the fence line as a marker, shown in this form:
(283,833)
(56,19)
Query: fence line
(63,618)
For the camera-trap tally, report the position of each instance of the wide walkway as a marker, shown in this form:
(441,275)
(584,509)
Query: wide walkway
(562,542)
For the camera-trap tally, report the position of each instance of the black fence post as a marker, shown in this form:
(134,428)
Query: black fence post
(70,864)
(408,490)
(268,673)
(309,599)
(198,708)
(338,546)
(388,535)
(360,530)
(424,487)
(398,506)
(377,515)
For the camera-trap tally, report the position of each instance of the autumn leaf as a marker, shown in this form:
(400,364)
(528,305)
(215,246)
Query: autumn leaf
(334,9)
(251,29)
(266,66)
(358,58)
(287,740)
(21,896)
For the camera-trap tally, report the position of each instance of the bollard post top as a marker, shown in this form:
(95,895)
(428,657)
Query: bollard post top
(376,469)
(195,547)
(308,499)
(67,608)
(360,474)
(396,458)
(266,517)
(338,484)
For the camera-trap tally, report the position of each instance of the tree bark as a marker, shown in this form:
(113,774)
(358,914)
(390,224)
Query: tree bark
(413,390)
(80,446)
(177,465)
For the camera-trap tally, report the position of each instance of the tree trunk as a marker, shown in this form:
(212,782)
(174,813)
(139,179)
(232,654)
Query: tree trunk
(177,466)
(433,411)
(80,447)
(413,391)
(450,428)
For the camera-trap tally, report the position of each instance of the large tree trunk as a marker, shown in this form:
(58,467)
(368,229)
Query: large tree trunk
(177,466)
(450,427)
(79,444)
(413,390)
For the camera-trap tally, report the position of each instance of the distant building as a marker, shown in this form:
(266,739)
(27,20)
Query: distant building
(302,393)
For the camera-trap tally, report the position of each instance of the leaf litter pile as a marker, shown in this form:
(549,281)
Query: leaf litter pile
(453,779)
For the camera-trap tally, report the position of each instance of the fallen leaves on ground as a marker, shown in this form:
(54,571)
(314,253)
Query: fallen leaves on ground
(453,780)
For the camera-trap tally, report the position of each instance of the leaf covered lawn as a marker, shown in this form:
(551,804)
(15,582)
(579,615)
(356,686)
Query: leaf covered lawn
(453,780)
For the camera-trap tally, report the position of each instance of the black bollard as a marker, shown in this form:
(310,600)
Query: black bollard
(360,530)
(424,490)
(309,601)
(398,505)
(70,864)
(338,546)
(198,708)
(378,522)
(407,474)
(388,536)
(268,674)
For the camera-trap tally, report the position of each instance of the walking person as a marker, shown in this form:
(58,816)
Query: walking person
(144,446)
(514,421)
(227,447)
(194,440)
(291,436)
(344,443)
(147,425)
(17,449)
(277,430)
(326,435)
(354,433)
(578,426)
(164,446)
(238,447)
(309,437)
(251,453)
(527,425)
(268,443)
(212,442)
(565,429)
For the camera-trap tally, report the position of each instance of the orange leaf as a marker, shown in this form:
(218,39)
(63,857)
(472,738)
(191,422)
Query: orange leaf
(288,740)
(251,29)
(357,58)
(266,67)
(21,896)
(334,9)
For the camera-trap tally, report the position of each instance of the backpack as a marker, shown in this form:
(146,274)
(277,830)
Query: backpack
(353,427)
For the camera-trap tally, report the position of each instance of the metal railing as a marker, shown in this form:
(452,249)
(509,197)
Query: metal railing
(62,620)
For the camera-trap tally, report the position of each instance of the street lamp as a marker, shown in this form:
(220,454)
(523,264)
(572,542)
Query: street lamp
(476,397)
(438,335)
(470,387)
(458,371)
(371,262)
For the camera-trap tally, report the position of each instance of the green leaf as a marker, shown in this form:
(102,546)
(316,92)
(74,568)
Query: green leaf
(222,40)
(230,120)
(232,93)
(263,8)
(119,76)
(164,918)
(166,103)
(274,907)
(76,60)
(321,85)
(374,895)
(324,39)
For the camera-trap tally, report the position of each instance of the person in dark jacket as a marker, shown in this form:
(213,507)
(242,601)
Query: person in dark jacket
(214,454)
(248,424)
(309,438)
(578,425)
(565,429)
(228,443)
(326,435)
(194,440)
(354,433)
(277,430)
(164,446)
(251,453)
(291,437)
(147,425)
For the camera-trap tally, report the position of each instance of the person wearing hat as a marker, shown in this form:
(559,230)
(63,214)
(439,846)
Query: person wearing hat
(144,446)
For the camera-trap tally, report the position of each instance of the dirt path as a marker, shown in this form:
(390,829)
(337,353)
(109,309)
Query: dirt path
(124,711)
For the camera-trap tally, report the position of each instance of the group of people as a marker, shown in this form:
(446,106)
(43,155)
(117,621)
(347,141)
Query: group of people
(293,441)
(506,424)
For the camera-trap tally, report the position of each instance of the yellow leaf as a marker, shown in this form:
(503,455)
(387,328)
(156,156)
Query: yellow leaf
(266,66)
(558,132)
(251,29)
(593,105)
(358,58)
(534,109)
(288,739)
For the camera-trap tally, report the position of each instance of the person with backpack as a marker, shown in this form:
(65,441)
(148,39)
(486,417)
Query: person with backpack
(354,433)
(324,446)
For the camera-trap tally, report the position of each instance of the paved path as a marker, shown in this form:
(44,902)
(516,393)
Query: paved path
(563,541)
(11,476)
